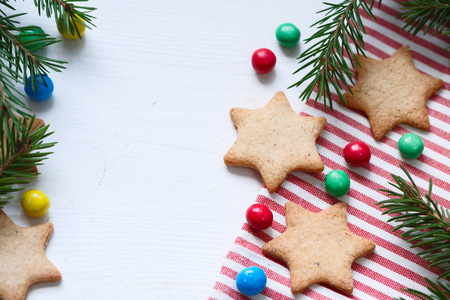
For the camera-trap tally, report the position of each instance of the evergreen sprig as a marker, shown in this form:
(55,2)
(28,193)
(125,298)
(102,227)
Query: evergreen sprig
(428,226)
(438,291)
(429,14)
(340,27)
(21,148)
(20,152)
(67,13)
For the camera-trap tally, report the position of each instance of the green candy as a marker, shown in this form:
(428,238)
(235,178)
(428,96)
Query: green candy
(337,183)
(29,35)
(288,35)
(410,145)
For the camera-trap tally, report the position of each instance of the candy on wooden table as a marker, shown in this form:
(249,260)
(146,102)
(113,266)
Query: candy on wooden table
(42,91)
(35,203)
(30,35)
(76,27)
(263,60)
(288,35)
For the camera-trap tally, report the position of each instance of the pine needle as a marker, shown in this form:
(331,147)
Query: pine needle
(428,225)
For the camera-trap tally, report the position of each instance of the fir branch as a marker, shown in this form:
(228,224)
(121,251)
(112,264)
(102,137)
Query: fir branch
(438,291)
(428,222)
(17,63)
(67,13)
(340,27)
(428,225)
(432,14)
(19,154)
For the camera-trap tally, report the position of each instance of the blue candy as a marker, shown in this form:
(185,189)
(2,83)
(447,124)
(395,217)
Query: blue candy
(42,91)
(251,281)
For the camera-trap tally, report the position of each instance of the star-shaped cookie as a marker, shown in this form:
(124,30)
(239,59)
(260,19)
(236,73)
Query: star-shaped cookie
(391,92)
(22,258)
(318,247)
(275,141)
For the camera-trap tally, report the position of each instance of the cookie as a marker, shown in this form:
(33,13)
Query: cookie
(22,258)
(392,92)
(275,141)
(318,247)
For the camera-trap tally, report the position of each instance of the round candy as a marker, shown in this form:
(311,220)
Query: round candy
(30,35)
(251,281)
(410,145)
(43,90)
(337,183)
(287,35)
(263,60)
(35,203)
(259,216)
(357,154)
(76,27)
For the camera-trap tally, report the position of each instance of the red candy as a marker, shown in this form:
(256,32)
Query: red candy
(259,216)
(357,154)
(263,60)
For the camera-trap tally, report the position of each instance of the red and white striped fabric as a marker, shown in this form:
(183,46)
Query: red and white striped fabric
(393,265)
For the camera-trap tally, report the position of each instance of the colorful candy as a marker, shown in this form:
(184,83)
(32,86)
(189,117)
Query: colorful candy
(31,35)
(251,281)
(259,216)
(357,154)
(410,145)
(287,35)
(42,91)
(35,203)
(76,27)
(263,60)
(337,183)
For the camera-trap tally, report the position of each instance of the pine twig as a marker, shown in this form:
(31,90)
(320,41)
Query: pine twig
(340,27)
(431,14)
(428,224)
(67,13)
(19,153)
(438,291)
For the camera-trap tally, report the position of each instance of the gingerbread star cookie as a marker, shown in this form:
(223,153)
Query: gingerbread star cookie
(275,141)
(318,247)
(22,258)
(392,92)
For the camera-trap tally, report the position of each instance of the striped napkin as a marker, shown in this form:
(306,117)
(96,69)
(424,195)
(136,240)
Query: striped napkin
(393,265)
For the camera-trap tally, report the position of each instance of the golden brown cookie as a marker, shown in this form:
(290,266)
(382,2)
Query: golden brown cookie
(318,247)
(22,258)
(392,92)
(275,141)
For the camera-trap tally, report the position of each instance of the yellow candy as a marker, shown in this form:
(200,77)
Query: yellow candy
(73,34)
(35,203)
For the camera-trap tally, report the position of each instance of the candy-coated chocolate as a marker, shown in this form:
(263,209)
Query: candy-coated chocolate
(357,154)
(43,90)
(263,60)
(410,145)
(35,203)
(76,27)
(337,183)
(287,35)
(30,35)
(251,281)
(259,216)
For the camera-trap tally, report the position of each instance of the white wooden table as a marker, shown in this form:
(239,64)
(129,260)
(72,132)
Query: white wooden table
(142,203)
